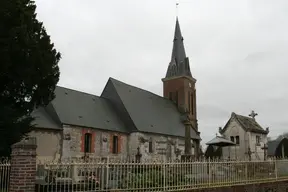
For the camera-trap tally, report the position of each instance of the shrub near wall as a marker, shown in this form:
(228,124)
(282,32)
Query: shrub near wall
(153,177)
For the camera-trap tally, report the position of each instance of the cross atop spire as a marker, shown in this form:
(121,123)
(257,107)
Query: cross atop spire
(179,64)
(177,9)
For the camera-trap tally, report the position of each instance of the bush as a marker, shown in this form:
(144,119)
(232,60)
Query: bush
(152,178)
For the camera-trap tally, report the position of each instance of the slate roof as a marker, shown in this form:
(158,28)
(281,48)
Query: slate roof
(247,123)
(148,112)
(179,64)
(83,109)
(44,120)
(121,108)
(220,141)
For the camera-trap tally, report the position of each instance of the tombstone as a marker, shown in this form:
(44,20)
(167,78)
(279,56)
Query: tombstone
(138,155)
(265,148)
(249,153)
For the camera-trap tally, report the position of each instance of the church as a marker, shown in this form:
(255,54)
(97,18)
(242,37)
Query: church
(124,120)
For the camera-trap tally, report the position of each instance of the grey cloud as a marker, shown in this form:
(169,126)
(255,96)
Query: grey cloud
(132,41)
(283,124)
(211,112)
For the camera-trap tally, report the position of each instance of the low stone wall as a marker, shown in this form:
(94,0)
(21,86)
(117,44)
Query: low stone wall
(276,186)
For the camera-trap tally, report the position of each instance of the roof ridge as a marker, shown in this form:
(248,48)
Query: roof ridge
(134,98)
(78,91)
(240,122)
(250,118)
(113,79)
(242,115)
(110,80)
(87,110)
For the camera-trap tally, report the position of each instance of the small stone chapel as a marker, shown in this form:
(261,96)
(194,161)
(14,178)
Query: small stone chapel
(249,137)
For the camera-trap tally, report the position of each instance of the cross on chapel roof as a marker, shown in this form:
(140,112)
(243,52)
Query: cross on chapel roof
(253,114)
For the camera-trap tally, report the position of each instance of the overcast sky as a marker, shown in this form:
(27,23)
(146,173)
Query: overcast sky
(238,51)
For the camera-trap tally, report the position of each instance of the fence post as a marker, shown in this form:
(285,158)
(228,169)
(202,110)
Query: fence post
(276,169)
(23,166)
(107,173)
(209,171)
(246,171)
(164,175)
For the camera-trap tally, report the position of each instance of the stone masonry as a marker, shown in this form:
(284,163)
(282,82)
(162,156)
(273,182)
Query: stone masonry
(274,186)
(247,140)
(101,142)
(23,166)
(162,146)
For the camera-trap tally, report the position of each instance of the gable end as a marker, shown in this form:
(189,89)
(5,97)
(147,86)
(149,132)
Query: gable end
(231,119)
(110,93)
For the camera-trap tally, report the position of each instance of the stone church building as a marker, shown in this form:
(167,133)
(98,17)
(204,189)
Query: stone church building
(124,119)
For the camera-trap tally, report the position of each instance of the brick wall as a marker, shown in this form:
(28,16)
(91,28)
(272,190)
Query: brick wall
(23,166)
(183,86)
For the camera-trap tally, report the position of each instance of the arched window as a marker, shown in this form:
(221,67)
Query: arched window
(150,146)
(88,143)
(232,139)
(170,96)
(237,140)
(192,103)
(115,144)
(189,102)
(176,97)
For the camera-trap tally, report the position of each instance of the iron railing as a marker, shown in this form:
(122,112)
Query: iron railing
(126,175)
(4,175)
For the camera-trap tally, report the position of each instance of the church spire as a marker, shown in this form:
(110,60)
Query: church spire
(179,87)
(178,51)
(179,64)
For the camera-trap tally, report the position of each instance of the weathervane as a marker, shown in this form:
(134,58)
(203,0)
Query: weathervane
(177,4)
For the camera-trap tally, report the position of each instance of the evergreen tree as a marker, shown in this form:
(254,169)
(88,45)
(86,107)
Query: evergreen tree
(28,69)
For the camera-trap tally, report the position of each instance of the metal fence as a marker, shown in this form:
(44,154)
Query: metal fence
(4,175)
(126,175)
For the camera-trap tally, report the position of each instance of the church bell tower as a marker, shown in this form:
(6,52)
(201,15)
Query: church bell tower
(179,84)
